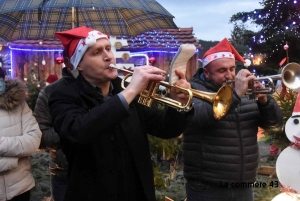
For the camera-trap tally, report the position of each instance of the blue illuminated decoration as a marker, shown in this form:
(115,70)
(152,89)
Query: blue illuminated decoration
(11,64)
(28,50)
(35,50)
(158,37)
(151,51)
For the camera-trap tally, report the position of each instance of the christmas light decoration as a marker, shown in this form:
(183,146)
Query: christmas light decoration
(35,50)
(277,21)
(43,61)
(11,64)
(152,60)
(59,60)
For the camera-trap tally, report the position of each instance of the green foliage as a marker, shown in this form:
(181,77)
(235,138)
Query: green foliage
(240,35)
(33,92)
(264,69)
(206,45)
(165,147)
(286,103)
(162,149)
(267,193)
(159,180)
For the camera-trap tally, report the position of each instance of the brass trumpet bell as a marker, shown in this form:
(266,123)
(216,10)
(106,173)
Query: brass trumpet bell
(221,100)
(290,76)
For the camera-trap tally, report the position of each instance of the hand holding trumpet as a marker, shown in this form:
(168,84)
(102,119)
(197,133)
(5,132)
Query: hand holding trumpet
(140,79)
(177,94)
(261,98)
(244,80)
(145,74)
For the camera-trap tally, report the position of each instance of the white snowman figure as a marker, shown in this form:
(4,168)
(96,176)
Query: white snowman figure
(288,162)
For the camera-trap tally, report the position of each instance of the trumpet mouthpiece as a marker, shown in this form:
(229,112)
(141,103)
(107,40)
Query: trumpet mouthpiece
(229,81)
(112,66)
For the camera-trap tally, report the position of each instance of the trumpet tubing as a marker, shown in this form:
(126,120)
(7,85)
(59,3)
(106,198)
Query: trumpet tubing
(221,100)
(150,94)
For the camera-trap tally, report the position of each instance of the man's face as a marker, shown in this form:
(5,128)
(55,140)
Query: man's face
(220,70)
(94,65)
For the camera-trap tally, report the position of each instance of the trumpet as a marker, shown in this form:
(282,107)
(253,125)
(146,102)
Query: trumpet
(221,100)
(290,76)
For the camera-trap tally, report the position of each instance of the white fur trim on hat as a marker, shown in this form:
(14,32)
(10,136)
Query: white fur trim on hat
(215,56)
(84,44)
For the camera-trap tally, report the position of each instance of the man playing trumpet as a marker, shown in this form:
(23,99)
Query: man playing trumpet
(220,156)
(103,128)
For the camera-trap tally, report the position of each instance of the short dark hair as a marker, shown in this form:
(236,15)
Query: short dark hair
(2,73)
(65,53)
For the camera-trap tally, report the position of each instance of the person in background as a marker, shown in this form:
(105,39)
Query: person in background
(50,139)
(51,78)
(221,156)
(103,128)
(19,138)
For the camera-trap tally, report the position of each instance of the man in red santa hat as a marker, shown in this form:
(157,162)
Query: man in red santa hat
(103,128)
(51,78)
(221,156)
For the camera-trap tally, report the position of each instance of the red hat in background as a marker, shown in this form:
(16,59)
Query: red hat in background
(76,41)
(51,78)
(222,50)
(296,111)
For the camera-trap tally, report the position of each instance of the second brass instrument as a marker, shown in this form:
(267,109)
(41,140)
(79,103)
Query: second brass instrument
(221,100)
(290,77)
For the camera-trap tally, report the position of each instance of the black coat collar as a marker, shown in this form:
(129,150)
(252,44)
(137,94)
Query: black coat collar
(86,88)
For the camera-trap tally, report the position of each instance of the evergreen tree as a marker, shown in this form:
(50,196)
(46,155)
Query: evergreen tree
(278,20)
(240,35)
(32,93)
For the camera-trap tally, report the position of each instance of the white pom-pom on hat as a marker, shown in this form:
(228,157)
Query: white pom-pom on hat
(90,41)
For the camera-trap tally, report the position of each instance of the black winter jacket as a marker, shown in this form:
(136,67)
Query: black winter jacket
(225,150)
(50,139)
(106,145)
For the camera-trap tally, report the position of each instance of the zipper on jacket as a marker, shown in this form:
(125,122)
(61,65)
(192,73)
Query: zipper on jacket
(240,138)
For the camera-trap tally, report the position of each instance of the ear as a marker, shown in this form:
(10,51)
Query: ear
(206,73)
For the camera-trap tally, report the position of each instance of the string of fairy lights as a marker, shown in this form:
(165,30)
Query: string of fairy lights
(150,38)
(276,18)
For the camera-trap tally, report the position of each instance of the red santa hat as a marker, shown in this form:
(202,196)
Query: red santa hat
(76,41)
(222,50)
(296,111)
(51,78)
